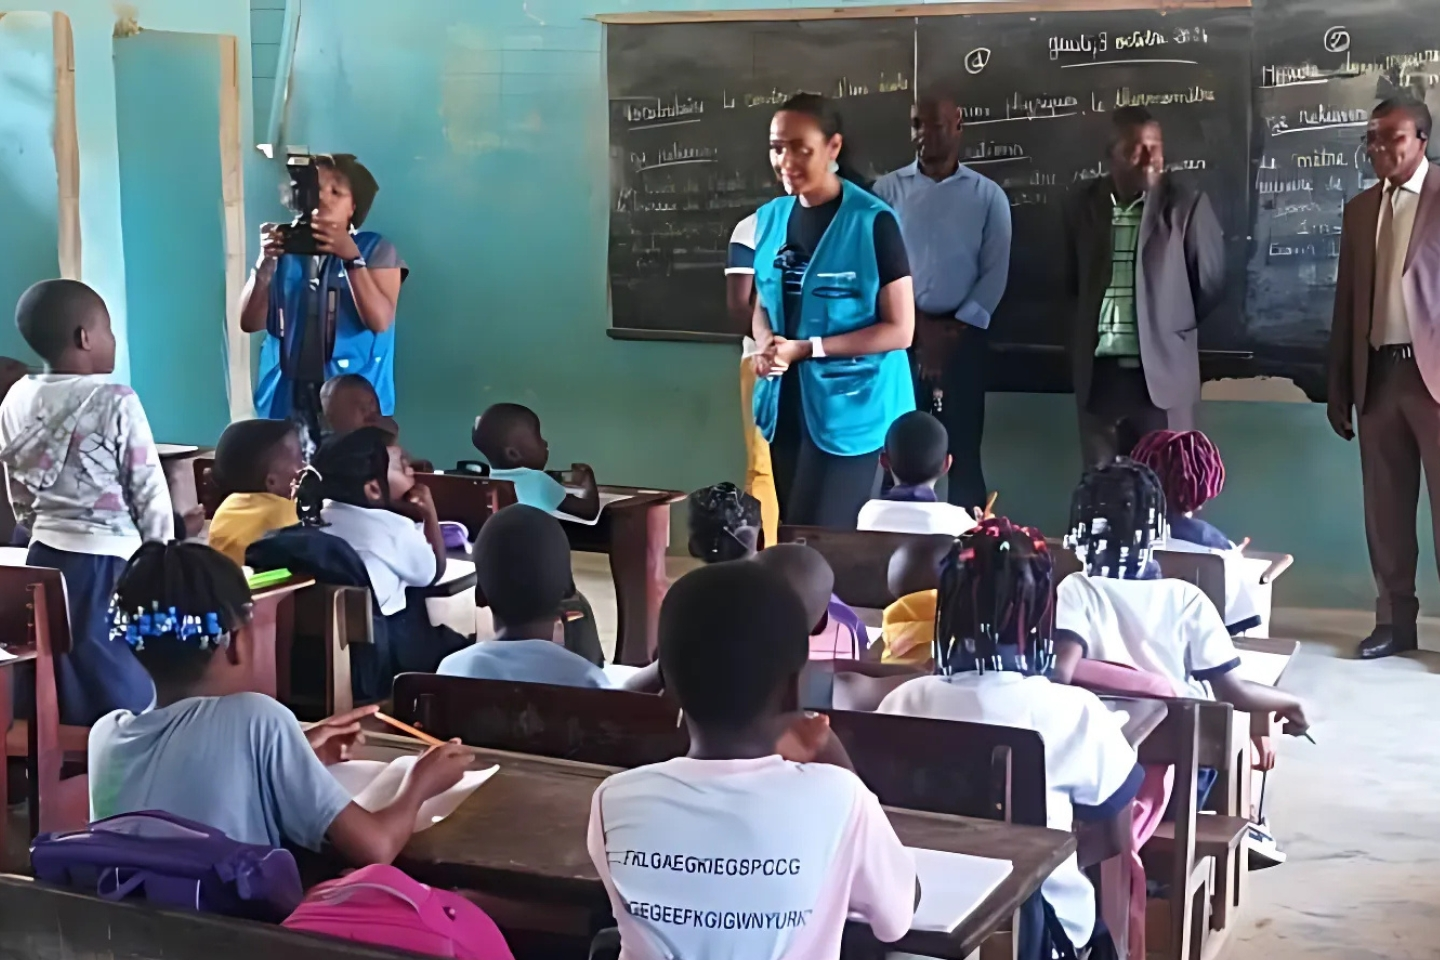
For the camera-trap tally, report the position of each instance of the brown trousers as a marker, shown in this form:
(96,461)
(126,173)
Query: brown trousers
(1399,434)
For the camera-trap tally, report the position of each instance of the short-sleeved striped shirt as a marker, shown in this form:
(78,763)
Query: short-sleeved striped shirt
(1119,336)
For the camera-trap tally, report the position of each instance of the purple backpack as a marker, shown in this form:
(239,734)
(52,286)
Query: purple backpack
(172,863)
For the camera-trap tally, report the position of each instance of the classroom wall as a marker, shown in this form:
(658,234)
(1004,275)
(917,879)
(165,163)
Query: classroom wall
(486,126)
(29,201)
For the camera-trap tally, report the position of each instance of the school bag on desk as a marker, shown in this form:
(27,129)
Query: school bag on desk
(381,906)
(170,862)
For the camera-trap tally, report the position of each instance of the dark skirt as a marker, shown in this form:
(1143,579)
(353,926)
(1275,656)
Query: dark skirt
(99,675)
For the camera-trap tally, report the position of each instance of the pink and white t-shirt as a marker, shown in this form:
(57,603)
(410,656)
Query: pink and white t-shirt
(756,859)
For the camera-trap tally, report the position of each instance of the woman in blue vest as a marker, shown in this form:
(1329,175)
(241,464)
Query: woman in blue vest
(340,322)
(834,315)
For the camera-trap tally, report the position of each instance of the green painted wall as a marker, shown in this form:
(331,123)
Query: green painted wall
(485,125)
(173,229)
(28,192)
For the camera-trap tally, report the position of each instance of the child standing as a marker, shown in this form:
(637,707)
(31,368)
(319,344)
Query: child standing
(522,571)
(256,465)
(85,480)
(992,650)
(233,760)
(732,644)
(508,435)
(917,455)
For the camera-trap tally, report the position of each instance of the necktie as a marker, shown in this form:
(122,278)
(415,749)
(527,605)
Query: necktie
(1384,309)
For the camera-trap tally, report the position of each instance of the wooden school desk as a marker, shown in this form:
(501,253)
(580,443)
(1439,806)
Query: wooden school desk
(273,612)
(633,531)
(18,654)
(522,836)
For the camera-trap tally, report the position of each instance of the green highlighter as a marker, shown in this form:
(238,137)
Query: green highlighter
(268,578)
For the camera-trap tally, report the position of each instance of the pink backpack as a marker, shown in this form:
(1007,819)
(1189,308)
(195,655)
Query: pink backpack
(380,905)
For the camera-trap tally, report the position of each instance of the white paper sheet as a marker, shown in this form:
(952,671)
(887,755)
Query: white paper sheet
(952,886)
(1262,668)
(374,784)
(606,498)
(175,449)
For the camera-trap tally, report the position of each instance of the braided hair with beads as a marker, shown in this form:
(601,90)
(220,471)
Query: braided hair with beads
(1117,515)
(996,605)
(1188,465)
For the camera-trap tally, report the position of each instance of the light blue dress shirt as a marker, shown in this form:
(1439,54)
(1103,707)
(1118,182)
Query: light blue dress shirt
(524,661)
(957,234)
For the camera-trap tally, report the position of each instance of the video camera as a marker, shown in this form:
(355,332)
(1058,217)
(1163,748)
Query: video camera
(302,197)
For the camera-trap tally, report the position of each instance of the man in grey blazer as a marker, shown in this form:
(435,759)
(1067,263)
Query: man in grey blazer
(1385,357)
(1145,264)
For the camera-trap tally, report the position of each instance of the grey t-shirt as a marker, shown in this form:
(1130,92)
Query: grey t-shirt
(525,661)
(240,764)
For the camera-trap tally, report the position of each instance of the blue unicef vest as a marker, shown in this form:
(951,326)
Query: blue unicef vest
(356,349)
(849,402)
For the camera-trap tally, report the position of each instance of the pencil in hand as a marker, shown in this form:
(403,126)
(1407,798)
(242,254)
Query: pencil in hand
(409,731)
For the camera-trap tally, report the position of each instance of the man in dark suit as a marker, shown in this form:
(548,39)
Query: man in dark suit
(1145,264)
(1385,357)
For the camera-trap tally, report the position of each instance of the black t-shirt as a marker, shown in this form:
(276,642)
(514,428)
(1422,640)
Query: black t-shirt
(802,235)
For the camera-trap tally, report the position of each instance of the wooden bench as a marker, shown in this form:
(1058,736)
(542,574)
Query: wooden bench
(860,559)
(33,607)
(41,922)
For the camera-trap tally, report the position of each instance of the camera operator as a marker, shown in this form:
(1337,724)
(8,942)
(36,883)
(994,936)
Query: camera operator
(327,304)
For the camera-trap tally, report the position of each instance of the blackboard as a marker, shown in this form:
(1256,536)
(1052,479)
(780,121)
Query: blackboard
(1263,108)
(1320,68)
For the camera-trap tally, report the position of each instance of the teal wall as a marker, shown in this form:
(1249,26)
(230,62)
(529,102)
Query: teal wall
(485,124)
(29,203)
(173,229)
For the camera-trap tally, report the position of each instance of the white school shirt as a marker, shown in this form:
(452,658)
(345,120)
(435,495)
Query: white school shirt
(84,470)
(1246,598)
(1394,326)
(393,548)
(746,859)
(1088,762)
(1165,627)
(906,516)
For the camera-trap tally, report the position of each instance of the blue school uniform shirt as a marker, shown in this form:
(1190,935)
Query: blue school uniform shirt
(534,488)
(524,661)
(1197,531)
(240,764)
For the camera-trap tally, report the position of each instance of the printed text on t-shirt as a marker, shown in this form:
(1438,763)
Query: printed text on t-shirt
(719,919)
(712,866)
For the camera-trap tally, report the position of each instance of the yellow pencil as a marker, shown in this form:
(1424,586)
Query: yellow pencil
(990,505)
(408,730)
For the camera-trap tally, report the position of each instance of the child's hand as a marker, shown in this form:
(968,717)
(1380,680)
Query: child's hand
(1295,721)
(1264,753)
(333,738)
(421,499)
(806,738)
(439,769)
(194,521)
(583,474)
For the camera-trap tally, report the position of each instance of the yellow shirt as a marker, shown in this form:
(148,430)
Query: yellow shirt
(244,518)
(908,630)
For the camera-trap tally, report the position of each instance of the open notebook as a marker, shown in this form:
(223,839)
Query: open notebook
(606,498)
(952,886)
(374,783)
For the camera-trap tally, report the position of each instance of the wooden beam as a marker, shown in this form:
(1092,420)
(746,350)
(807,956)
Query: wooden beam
(67,150)
(913,10)
(232,189)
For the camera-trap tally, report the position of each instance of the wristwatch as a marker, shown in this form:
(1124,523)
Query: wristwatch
(817,348)
(357,264)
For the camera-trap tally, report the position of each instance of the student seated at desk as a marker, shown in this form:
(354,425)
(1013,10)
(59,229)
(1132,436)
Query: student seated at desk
(832,636)
(1111,612)
(86,482)
(363,490)
(992,651)
(907,631)
(917,454)
(522,569)
(349,402)
(508,436)
(1191,475)
(724,524)
(214,753)
(257,463)
(732,644)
